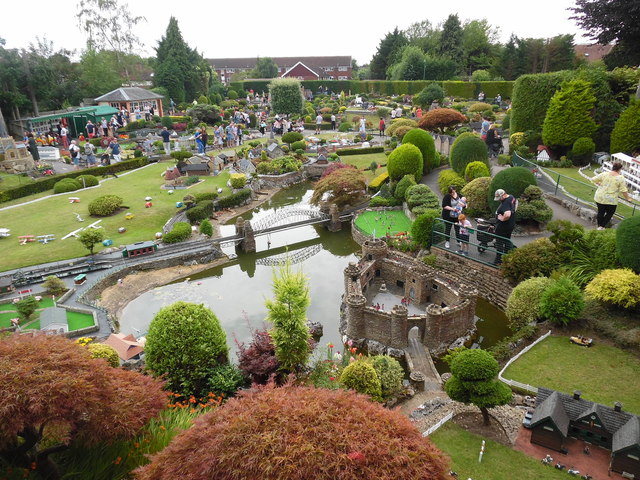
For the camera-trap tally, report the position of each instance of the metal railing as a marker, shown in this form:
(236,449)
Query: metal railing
(483,246)
(577,191)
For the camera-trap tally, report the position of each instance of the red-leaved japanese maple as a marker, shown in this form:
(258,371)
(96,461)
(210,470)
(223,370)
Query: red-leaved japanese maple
(52,393)
(440,118)
(299,433)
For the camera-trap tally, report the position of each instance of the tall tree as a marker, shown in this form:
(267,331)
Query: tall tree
(560,54)
(98,73)
(288,314)
(387,54)
(411,65)
(424,35)
(451,40)
(12,81)
(507,62)
(265,68)
(478,44)
(286,95)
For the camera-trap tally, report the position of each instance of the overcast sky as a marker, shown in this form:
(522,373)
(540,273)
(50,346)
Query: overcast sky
(251,28)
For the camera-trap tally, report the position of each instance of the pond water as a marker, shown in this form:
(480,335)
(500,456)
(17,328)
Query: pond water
(236,292)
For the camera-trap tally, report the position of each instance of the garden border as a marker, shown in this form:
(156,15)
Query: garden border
(513,383)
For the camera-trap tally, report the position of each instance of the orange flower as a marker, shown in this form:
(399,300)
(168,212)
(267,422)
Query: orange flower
(117,460)
(162,427)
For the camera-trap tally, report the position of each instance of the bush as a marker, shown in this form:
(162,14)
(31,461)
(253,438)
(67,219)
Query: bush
(181,155)
(421,196)
(593,253)
(476,170)
(561,302)
(362,377)
(480,76)
(67,185)
(523,304)
(476,192)
(446,178)
(582,151)
(429,94)
(105,205)
(467,148)
(192,180)
(279,166)
(238,180)
(101,350)
(54,285)
(87,181)
(291,137)
(376,183)
(343,128)
(202,211)
(405,160)
(401,122)
(440,119)
(479,107)
(627,244)
(203,113)
(184,344)
(402,186)
(512,180)
(299,145)
(206,228)
(179,233)
(625,136)
(536,210)
(235,199)
(286,96)
(232,94)
(425,143)
(167,122)
(618,287)
(224,380)
(421,229)
(200,196)
(390,373)
(538,258)
(360,151)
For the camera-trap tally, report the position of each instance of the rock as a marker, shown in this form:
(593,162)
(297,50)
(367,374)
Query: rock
(315,329)
(395,352)
(375,348)
(445,377)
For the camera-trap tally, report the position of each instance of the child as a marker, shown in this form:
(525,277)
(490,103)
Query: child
(461,205)
(464,226)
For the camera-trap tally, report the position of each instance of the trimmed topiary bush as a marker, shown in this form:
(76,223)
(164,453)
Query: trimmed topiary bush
(538,258)
(180,232)
(440,119)
(476,170)
(627,243)
(402,186)
(67,185)
(292,137)
(582,151)
(533,207)
(625,136)
(206,228)
(238,180)
(299,145)
(479,107)
(105,205)
(427,146)
(429,94)
(467,148)
(202,211)
(405,160)
(402,131)
(390,373)
(400,122)
(362,377)
(421,196)
(421,228)
(561,302)
(512,180)
(523,304)
(617,287)
(87,181)
(476,192)
(446,178)
(101,350)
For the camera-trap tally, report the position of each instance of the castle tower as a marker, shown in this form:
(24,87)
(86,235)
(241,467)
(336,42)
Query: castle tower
(334,225)
(433,325)
(374,249)
(244,229)
(399,327)
(355,316)
(351,275)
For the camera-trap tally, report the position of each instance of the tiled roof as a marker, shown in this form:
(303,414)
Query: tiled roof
(592,52)
(551,408)
(128,94)
(628,435)
(126,346)
(283,62)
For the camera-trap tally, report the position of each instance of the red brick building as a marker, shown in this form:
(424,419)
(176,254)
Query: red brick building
(306,68)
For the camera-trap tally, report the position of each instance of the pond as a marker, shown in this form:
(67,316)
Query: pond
(236,292)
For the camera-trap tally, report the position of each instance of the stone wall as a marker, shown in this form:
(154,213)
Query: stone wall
(282,181)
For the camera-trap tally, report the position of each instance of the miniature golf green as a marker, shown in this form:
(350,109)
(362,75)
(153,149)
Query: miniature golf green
(383,222)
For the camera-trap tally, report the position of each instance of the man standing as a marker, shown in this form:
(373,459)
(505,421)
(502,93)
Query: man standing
(318,123)
(91,129)
(166,140)
(333,121)
(506,216)
(64,137)
(89,151)
(114,146)
(74,151)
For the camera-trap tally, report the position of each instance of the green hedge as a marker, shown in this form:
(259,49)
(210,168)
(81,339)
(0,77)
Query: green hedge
(312,126)
(235,198)
(359,151)
(180,232)
(44,184)
(201,211)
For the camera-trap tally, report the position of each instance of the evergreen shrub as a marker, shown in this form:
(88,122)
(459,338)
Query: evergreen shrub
(101,350)
(238,180)
(67,185)
(421,196)
(105,205)
(201,211)
(402,186)
(235,199)
(512,180)
(538,258)
(179,233)
(446,178)
(523,304)
(628,244)
(291,137)
(476,170)
(476,192)
(468,148)
(87,181)
(562,302)
(582,151)
(206,228)
(615,287)
(423,225)
(401,122)
(390,373)
(625,136)
(405,160)
(362,377)
(427,146)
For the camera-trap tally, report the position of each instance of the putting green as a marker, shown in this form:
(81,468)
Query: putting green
(382,223)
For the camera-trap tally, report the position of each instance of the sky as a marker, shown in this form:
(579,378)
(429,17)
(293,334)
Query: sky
(251,28)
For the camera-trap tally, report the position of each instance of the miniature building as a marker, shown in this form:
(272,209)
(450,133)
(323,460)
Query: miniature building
(558,416)
(75,120)
(172,177)
(274,151)
(54,319)
(6,285)
(139,248)
(126,345)
(15,156)
(246,166)
(426,288)
(132,98)
(198,169)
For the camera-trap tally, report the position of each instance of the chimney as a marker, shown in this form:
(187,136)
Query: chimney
(576,394)
(617,407)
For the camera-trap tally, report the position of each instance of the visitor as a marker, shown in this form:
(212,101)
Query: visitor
(136,112)
(74,151)
(89,152)
(481,96)
(205,139)
(484,128)
(333,121)
(499,100)
(91,129)
(114,148)
(104,126)
(318,123)
(229,133)
(219,134)
(399,112)
(166,140)
(493,141)
(263,127)
(449,212)
(610,186)
(198,137)
(239,135)
(363,129)
(464,226)
(419,113)
(64,136)
(506,216)
(382,127)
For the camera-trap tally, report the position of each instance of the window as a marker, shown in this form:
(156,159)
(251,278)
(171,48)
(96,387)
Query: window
(633,457)
(342,77)
(548,428)
(343,69)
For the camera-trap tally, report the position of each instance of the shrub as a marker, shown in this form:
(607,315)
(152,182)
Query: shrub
(67,185)
(405,160)
(476,170)
(258,360)
(201,211)
(181,155)
(390,373)
(582,151)
(232,94)
(618,287)
(200,196)
(402,131)
(383,112)
(238,180)
(225,380)
(166,122)
(479,107)
(333,167)
(101,350)
(421,195)
(235,199)
(291,137)
(480,76)
(625,136)
(380,201)
(517,140)
(203,113)
(446,178)
(402,186)
(343,128)
(361,377)
(54,285)
(425,143)
(105,205)
(286,96)
(421,229)
(512,180)
(627,244)
(180,232)
(538,258)
(593,253)
(87,181)
(360,151)
(561,302)
(206,228)
(185,342)
(467,148)
(429,94)
(440,119)
(523,304)
(476,192)
(397,123)
(536,210)
(376,183)
(192,180)
(299,145)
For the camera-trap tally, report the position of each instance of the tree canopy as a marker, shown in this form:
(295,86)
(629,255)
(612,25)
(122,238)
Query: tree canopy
(387,54)
(345,186)
(286,95)
(265,68)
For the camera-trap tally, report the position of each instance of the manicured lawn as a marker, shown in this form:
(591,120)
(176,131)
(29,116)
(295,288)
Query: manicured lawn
(11,181)
(498,462)
(77,320)
(393,221)
(602,373)
(56,216)
(364,161)
(6,317)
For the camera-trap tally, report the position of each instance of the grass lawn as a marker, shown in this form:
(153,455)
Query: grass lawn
(8,181)
(364,161)
(56,216)
(396,220)
(5,318)
(77,320)
(498,462)
(602,373)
